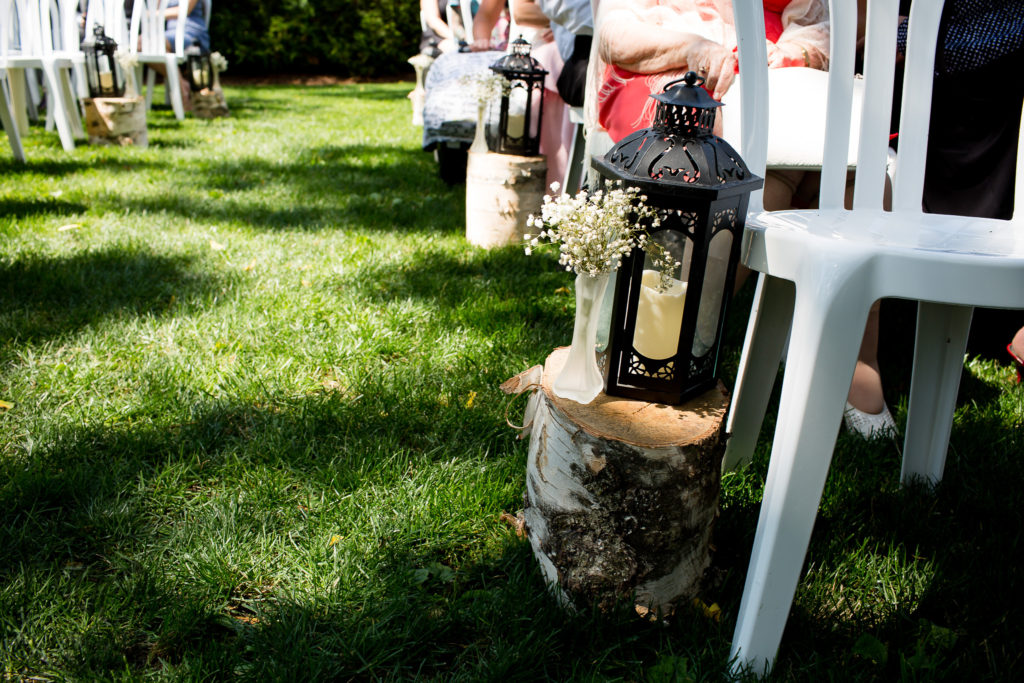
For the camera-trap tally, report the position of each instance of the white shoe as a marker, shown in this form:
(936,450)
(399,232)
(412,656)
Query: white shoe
(867,425)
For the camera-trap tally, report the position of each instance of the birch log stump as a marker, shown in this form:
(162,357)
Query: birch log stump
(502,190)
(116,121)
(209,104)
(620,494)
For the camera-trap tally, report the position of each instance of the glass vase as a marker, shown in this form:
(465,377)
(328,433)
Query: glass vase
(580,379)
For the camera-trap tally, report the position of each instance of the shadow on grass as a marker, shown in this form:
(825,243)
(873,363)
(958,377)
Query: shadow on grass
(24,208)
(44,298)
(368,187)
(489,290)
(68,166)
(948,613)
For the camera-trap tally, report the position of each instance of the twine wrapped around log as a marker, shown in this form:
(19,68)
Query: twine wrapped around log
(621,495)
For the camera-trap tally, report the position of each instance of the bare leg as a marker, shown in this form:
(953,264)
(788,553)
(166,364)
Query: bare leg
(1017,345)
(866,388)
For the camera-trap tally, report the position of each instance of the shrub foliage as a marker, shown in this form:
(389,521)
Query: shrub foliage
(364,38)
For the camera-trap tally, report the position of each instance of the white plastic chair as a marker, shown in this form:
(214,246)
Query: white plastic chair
(821,272)
(27,32)
(149,42)
(143,35)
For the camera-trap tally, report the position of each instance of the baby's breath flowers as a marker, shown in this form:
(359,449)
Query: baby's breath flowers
(594,231)
(486,87)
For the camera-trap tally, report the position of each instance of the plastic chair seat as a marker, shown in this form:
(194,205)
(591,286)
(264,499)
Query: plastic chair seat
(929,257)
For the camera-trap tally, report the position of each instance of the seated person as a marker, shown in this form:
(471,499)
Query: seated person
(196,32)
(450,107)
(437,35)
(645,44)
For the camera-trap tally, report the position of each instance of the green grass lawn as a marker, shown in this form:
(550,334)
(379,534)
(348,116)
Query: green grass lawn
(251,427)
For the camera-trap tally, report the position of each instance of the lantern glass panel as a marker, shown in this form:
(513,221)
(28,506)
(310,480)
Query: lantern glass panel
(710,311)
(659,312)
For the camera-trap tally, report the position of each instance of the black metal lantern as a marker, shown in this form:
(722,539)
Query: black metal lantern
(198,68)
(663,340)
(103,74)
(522,102)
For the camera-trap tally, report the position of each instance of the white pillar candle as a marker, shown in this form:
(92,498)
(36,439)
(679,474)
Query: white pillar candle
(516,113)
(106,80)
(659,315)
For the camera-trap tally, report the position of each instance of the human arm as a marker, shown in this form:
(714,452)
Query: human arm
(648,40)
(432,17)
(483,23)
(527,13)
(175,12)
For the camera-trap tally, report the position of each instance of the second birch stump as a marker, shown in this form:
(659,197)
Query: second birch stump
(502,190)
(621,495)
(116,121)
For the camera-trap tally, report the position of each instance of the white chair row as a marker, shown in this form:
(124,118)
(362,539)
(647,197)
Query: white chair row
(44,35)
(32,36)
(144,34)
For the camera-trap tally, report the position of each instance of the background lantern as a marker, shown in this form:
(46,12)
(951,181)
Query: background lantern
(521,104)
(198,68)
(663,337)
(103,74)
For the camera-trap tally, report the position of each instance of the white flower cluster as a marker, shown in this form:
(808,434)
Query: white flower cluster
(218,62)
(486,87)
(594,231)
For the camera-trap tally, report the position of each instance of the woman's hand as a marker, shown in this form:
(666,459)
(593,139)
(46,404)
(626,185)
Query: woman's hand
(714,63)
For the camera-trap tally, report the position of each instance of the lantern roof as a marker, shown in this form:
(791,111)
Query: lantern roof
(101,40)
(678,153)
(686,92)
(518,62)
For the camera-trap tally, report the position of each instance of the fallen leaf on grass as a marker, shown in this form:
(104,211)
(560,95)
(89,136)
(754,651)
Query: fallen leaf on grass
(712,611)
(335,539)
(469,401)
(306,283)
(69,226)
(250,265)
(6,405)
(563,290)
(517,522)
(216,246)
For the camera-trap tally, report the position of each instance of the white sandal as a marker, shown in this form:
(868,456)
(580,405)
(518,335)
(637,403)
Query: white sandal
(867,425)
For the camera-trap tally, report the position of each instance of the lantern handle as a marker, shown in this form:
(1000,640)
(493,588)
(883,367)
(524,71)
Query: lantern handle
(689,78)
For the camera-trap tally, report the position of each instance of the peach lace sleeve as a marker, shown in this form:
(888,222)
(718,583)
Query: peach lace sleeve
(805,24)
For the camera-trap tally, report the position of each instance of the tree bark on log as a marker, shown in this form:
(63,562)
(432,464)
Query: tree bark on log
(116,121)
(621,495)
(502,190)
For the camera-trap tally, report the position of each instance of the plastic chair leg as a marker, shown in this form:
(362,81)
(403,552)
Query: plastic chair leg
(938,362)
(173,84)
(19,100)
(150,84)
(767,330)
(574,168)
(70,99)
(819,366)
(54,91)
(10,127)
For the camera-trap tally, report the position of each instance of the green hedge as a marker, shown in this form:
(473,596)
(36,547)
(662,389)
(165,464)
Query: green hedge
(363,38)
